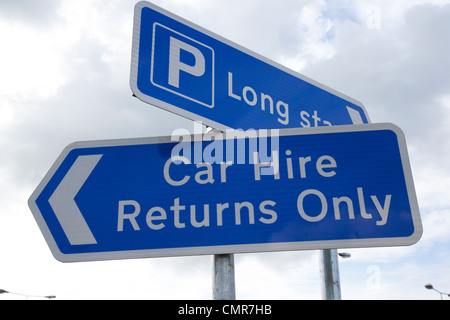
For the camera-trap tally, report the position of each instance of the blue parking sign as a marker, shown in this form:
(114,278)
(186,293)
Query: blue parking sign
(183,68)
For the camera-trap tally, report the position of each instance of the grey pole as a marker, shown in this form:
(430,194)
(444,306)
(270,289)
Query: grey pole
(223,277)
(224,287)
(329,267)
(329,272)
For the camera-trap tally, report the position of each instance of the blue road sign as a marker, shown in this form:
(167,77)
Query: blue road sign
(183,68)
(317,188)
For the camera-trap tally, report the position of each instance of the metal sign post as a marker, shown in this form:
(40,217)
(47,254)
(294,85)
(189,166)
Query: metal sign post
(224,287)
(224,281)
(329,273)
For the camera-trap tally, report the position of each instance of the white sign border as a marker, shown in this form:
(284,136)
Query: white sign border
(248,248)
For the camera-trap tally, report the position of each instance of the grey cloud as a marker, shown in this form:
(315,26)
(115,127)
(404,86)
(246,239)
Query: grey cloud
(397,74)
(40,13)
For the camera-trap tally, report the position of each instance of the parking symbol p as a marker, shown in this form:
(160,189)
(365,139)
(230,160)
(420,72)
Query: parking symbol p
(182,66)
(176,65)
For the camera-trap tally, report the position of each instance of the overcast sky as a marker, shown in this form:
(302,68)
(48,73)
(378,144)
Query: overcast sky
(64,77)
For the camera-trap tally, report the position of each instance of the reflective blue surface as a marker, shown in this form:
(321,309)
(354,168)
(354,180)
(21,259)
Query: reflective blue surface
(352,183)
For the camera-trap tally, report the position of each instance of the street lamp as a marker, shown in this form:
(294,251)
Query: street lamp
(430,287)
(26,295)
(344,255)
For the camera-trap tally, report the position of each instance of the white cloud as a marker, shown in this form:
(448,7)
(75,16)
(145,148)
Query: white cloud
(31,61)
(436,226)
(315,32)
(285,275)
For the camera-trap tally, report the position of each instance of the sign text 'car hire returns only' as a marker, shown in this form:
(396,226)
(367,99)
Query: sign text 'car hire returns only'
(233,192)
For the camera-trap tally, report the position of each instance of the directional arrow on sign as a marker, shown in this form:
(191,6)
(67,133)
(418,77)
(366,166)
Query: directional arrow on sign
(63,202)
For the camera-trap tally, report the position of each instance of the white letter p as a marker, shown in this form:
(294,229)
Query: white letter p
(175,64)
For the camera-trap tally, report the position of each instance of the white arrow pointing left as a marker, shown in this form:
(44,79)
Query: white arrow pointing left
(63,203)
